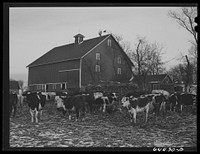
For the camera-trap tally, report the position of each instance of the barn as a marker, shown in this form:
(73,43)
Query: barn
(76,65)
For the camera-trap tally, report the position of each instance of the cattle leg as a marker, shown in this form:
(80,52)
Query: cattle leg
(40,114)
(32,114)
(134,116)
(181,108)
(36,116)
(15,110)
(146,115)
(77,114)
(104,107)
(70,115)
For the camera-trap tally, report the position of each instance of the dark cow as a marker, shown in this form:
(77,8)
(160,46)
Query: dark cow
(71,103)
(36,102)
(135,105)
(159,103)
(178,100)
(13,103)
(173,101)
(187,100)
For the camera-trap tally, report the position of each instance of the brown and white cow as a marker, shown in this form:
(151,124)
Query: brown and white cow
(71,103)
(135,105)
(36,102)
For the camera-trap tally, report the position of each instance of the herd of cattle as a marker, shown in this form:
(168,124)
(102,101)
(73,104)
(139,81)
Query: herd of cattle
(158,101)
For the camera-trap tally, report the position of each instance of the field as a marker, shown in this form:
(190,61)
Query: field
(102,130)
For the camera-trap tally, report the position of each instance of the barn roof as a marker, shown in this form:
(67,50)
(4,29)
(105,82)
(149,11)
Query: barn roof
(68,52)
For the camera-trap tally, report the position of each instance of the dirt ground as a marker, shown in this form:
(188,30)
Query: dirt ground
(102,130)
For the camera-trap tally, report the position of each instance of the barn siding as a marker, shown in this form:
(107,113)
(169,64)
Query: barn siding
(49,73)
(108,64)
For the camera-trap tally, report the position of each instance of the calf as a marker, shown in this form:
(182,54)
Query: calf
(135,105)
(13,104)
(68,104)
(36,102)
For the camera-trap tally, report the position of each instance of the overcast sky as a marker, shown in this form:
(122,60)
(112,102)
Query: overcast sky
(33,31)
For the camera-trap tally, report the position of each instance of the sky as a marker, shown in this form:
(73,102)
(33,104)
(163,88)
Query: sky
(33,31)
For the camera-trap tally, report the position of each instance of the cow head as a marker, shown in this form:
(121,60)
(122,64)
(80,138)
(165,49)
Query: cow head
(114,96)
(125,102)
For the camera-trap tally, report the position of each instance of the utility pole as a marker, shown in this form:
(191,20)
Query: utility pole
(189,74)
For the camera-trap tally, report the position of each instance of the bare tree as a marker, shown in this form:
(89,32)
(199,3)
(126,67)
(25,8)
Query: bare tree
(185,18)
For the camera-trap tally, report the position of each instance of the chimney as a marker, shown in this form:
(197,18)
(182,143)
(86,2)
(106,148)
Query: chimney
(78,38)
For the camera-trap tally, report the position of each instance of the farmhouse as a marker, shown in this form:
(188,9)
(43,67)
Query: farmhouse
(76,65)
(153,82)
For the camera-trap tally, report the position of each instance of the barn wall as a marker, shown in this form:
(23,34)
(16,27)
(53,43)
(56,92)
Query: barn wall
(46,74)
(108,64)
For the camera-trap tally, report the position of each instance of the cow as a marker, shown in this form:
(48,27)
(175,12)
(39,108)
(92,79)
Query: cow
(13,101)
(159,104)
(135,105)
(36,102)
(163,92)
(187,99)
(71,103)
(112,104)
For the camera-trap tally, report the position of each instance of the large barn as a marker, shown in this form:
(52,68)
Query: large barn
(75,65)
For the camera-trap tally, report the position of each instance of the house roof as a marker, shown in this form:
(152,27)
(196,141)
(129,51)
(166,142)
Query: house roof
(14,85)
(68,52)
(152,78)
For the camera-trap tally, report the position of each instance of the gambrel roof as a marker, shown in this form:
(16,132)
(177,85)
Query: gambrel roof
(71,51)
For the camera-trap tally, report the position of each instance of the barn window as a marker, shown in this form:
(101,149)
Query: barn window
(64,86)
(97,68)
(109,42)
(97,56)
(119,71)
(46,87)
(119,60)
(53,86)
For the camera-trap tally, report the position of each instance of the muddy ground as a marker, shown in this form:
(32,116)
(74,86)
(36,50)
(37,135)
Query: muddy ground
(102,130)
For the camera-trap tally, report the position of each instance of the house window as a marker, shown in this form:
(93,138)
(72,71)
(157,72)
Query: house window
(109,42)
(119,60)
(97,56)
(97,68)
(156,86)
(119,71)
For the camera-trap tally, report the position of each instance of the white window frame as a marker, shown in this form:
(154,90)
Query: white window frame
(53,86)
(119,60)
(65,84)
(97,68)
(119,71)
(97,56)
